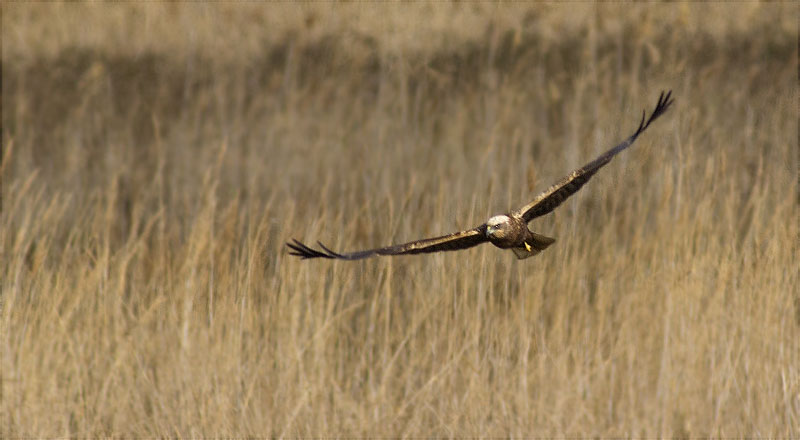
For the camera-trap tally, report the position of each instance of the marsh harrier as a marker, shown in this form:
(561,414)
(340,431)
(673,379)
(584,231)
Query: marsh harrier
(506,231)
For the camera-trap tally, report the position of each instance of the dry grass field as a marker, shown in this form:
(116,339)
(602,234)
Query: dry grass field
(156,158)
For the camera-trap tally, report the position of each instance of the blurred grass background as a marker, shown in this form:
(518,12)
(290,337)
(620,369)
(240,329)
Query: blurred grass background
(156,157)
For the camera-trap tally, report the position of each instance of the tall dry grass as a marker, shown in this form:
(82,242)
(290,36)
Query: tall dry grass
(156,157)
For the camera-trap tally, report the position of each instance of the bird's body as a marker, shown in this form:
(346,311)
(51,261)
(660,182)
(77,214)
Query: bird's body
(506,231)
(511,232)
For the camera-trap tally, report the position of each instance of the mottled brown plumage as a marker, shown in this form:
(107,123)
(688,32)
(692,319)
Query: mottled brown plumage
(508,231)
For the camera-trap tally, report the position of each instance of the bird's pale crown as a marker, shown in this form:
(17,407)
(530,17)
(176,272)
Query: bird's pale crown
(498,220)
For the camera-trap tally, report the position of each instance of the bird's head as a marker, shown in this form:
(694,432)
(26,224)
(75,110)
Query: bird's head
(498,226)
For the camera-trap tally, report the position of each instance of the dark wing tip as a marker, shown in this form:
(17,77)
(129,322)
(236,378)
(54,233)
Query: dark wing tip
(641,124)
(664,101)
(298,249)
(331,254)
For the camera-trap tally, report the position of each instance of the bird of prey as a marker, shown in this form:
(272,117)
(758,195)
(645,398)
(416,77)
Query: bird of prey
(506,231)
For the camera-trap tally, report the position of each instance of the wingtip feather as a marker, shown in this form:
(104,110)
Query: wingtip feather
(664,101)
(299,249)
(329,251)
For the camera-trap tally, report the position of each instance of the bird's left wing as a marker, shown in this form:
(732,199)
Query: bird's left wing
(450,242)
(556,194)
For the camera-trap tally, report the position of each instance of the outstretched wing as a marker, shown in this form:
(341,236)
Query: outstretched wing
(556,194)
(451,242)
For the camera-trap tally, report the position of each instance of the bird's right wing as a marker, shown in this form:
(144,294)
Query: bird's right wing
(556,194)
(450,242)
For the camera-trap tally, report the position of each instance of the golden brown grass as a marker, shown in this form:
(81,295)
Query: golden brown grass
(156,157)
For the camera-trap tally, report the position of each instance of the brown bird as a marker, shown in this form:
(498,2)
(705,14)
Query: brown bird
(506,231)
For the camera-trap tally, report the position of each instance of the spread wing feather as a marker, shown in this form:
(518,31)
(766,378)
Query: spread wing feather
(450,242)
(556,194)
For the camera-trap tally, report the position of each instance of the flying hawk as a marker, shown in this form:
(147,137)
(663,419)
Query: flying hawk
(506,231)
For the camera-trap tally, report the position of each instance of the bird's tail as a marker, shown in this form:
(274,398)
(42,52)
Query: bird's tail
(534,244)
